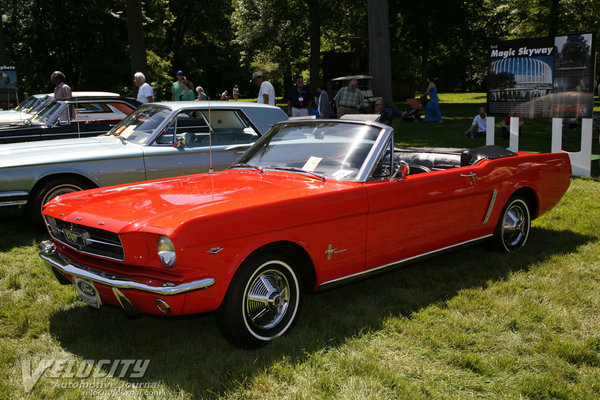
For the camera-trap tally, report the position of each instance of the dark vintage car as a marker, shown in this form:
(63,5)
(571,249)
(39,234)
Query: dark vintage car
(75,117)
(313,204)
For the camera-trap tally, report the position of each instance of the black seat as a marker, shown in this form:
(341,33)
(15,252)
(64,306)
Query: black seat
(473,156)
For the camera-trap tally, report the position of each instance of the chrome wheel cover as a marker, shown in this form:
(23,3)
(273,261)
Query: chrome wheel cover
(267,299)
(515,226)
(60,189)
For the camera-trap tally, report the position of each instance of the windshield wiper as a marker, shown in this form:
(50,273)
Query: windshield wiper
(296,169)
(244,165)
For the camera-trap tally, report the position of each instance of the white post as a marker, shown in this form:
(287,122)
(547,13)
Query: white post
(513,142)
(489,131)
(581,161)
(556,135)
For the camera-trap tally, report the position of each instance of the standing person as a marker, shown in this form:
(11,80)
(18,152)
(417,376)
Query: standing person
(266,91)
(432,110)
(236,92)
(201,95)
(62,90)
(384,116)
(480,121)
(177,88)
(323,103)
(187,93)
(349,99)
(145,92)
(299,99)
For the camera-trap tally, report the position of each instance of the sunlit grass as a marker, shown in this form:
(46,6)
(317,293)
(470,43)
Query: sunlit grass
(471,324)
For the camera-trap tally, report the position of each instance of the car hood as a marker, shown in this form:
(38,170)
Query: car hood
(161,206)
(64,151)
(14,117)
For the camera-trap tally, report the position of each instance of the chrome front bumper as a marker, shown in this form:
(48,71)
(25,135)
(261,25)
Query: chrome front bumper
(51,256)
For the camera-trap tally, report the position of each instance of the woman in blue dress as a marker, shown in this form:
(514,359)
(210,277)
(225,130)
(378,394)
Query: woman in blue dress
(432,111)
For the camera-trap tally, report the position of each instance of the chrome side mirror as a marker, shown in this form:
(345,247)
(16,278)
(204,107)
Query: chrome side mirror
(179,141)
(402,169)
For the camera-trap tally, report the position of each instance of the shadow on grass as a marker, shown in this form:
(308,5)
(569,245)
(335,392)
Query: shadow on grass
(189,353)
(17,229)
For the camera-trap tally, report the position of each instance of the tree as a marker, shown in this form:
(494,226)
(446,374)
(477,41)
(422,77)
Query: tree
(135,34)
(380,62)
(3,59)
(314,16)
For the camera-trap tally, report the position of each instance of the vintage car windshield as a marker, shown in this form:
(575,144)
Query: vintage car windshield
(332,149)
(44,115)
(28,104)
(141,124)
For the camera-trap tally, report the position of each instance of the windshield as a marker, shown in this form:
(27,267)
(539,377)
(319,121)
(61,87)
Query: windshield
(333,149)
(141,124)
(28,104)
(44,115)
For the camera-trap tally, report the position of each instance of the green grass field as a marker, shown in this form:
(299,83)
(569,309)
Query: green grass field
(473,324)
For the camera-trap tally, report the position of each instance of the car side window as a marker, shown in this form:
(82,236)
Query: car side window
(384,168)
(230,127)
(189,127)
(64,116)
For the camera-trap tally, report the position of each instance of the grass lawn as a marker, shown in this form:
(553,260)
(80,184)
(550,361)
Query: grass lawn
(469,324)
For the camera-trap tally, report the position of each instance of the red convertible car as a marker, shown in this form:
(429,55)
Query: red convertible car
(312,204)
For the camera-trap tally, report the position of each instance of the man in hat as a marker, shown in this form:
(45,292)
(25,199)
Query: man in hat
(266,91)
(177,88)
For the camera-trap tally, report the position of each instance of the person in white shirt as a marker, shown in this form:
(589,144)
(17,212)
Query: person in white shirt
(145,92)
(266,91)
(480,122)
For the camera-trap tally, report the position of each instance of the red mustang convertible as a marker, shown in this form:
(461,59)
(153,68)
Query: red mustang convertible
(312,204)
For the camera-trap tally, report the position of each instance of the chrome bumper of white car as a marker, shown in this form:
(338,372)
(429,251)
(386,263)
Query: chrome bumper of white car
(49,254)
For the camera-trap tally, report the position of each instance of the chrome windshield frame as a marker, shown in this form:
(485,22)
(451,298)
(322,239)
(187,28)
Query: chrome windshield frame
(370,160)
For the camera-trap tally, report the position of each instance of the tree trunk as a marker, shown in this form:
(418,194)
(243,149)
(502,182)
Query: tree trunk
(314,16)
(380,57)
(135,35)
(3,59)
(553,18)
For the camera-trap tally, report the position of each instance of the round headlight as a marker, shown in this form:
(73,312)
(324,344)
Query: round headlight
(166,251)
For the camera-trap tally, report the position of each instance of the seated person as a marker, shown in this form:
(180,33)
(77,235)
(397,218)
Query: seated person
(384,116)
(480,122)
(505,124)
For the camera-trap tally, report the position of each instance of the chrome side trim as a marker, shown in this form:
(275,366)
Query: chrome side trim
(490,207)
(12,203)
(18,193)
(15,198)
(405,260)
(49,254)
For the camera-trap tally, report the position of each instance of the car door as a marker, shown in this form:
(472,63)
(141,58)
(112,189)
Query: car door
(418,214)
(187,145)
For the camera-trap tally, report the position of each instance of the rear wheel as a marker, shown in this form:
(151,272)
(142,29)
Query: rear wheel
(49,190)
(512,230)
(261,303)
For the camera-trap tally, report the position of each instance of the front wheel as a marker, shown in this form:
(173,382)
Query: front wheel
(261,303)
(49,190)
(512,230)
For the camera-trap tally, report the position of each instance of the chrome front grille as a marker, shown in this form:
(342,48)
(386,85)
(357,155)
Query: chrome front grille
(85,239)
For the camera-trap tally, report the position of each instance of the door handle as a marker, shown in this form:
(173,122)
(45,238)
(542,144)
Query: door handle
(471,175)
